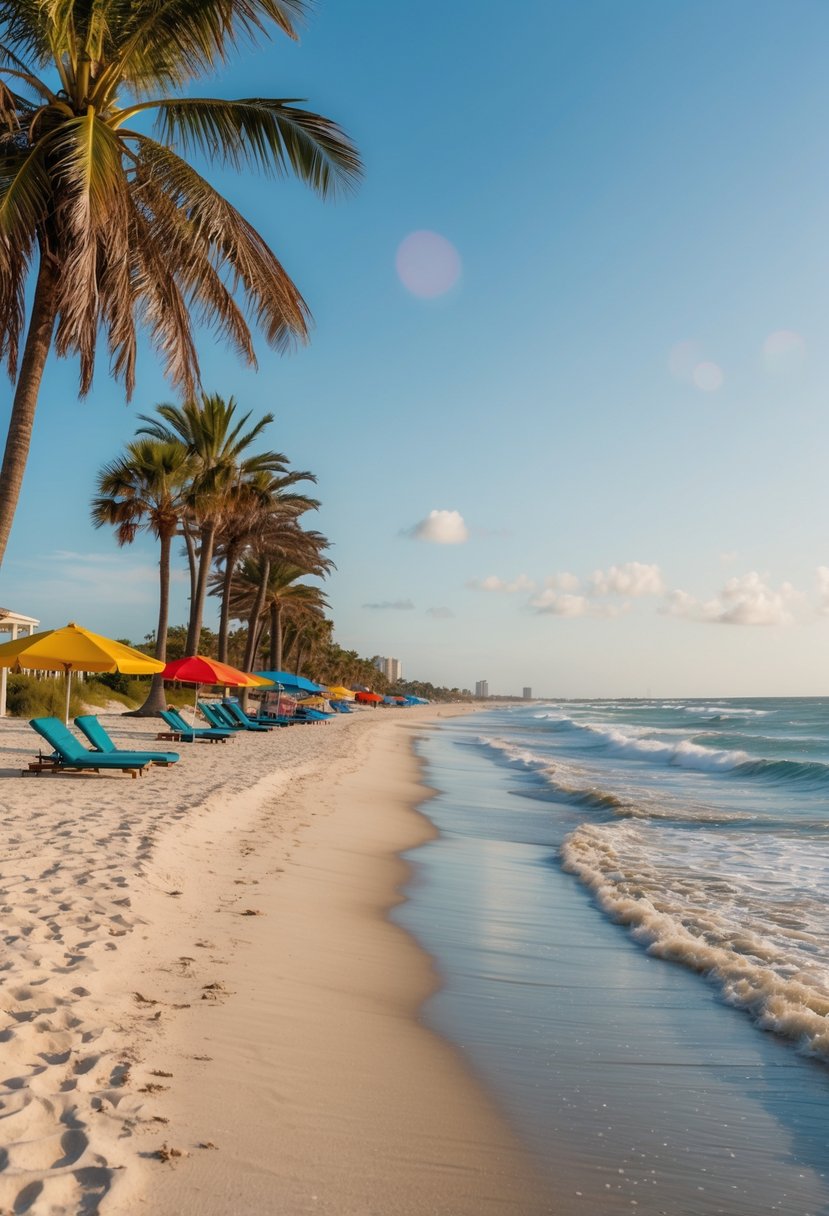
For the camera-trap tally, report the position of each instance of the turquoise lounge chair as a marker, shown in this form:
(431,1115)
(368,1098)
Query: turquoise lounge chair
(210,710)
(189,734)
(70,754)
(233,709)
(89,725)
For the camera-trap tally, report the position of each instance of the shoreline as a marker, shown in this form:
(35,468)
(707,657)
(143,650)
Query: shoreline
(206,1007)
(323,1092)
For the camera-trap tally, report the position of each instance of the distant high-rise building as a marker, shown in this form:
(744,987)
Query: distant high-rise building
(392,669)
(482,689)
(528,694)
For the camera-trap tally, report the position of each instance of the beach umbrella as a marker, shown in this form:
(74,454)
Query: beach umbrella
(340,693)
(369,698)
(198,669)
(72,648)
(288,680)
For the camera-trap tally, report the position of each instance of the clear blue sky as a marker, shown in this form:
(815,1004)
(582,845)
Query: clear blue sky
(624,395)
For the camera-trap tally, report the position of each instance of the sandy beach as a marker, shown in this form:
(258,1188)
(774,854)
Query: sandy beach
(205,1007)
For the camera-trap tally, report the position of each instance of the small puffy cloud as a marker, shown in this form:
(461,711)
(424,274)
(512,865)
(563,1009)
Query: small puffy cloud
(744,600)
(550,602)
(633,578)
(493,583)
(440,613)
(441,528)
(391,605)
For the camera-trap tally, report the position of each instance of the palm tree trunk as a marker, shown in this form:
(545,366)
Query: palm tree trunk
(256,615)
(231,555)
(21,422)
(276,634)
(156,701)
(207,537)
(190,546)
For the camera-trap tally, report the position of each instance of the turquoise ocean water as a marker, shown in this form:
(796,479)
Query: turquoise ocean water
(629,905)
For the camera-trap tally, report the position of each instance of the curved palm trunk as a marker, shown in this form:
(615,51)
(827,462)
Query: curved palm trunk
(276,636)
(156,701)
(208,537)
(254,623)
(192,565)
(21,422)
(227,587)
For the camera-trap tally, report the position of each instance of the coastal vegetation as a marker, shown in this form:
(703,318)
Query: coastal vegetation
(106,228)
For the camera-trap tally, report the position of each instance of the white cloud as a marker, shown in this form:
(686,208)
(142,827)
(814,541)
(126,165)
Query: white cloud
(440,613)
(747,599)
(493,583)
(550,602)
(441,528)
(633,578)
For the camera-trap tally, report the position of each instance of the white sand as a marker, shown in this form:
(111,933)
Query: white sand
(200,957)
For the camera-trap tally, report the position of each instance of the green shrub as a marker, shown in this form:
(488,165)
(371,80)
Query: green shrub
(32,697)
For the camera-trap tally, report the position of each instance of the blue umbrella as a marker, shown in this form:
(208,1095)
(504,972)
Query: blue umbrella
(288,680)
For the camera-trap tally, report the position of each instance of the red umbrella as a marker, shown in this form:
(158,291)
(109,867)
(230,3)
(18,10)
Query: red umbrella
(198,669)
(369,696)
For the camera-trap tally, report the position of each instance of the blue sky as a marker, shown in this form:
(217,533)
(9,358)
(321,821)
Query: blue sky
(623,395)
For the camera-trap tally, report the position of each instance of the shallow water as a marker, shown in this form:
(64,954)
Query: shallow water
(632,1076)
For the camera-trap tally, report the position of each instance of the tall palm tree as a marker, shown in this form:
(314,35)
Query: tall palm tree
(121,228)
(144,490)
(265,590)
(259,507)
(218,444)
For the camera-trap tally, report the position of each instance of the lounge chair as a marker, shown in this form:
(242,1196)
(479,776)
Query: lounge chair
(234,709)
(179,729)
(89,725)
(70,754)
(210,710)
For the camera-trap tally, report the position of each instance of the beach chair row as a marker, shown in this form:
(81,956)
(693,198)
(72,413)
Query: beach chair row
(69,754)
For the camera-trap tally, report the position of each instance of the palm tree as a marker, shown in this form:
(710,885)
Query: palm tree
(121,228)
(260,508)
(265,589)
(144,490)
(218,445)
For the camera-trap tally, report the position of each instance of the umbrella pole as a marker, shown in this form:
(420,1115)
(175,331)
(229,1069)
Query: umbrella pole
(68,692)
(196,704)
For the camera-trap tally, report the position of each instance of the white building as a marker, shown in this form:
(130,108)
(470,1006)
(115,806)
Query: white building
(392,669)
(481,689)
(17,625)
(528,694)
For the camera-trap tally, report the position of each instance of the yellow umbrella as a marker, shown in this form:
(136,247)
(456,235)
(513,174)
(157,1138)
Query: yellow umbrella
(340,693)
(75,649)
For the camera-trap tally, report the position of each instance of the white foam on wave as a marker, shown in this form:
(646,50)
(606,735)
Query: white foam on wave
(747,912)
(637,745)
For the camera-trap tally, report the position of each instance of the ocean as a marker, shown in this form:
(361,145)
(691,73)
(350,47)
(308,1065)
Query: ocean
(628,903)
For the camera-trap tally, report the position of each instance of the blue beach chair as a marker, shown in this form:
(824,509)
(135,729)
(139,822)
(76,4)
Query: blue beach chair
(235,711)
(69,754)
(189,734)
(89,725)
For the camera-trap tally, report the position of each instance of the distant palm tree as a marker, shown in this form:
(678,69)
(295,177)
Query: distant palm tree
(218,444)
(265,590)
(121,228)
(144,490)
(255,512)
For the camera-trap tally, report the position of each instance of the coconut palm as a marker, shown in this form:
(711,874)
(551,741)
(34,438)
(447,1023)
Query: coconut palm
(218,443)
(262,509)
(144,490)
(112,223)
(265,590)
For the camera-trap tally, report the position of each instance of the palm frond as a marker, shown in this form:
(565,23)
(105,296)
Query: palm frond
(218,233)
(269,134)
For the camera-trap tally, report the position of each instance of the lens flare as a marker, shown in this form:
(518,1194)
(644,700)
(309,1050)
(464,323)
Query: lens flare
(427,264)
(784,351)
(708,377)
